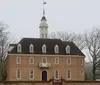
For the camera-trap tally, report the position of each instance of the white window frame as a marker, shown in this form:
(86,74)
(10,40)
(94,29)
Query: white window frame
(31,74)
(44,58)
(56,60)
(18,74)
(44,48)
(55,77)
(31,48)
(18,60)
(56,49)
(19,48)
(69,61)
(31,58)
(69,71)
(67,49)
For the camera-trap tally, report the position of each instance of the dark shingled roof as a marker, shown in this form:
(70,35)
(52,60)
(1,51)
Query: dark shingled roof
(50,44)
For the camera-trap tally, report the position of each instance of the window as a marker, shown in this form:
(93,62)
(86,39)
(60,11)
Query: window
(31,48)
(31,60)
(82,72)
(44,48)
(18,60)
(42,35)
(19,48)
(68,61)
(45,35)
(18,74)
(56,49)
(31,74)
(82,61)
(69,75)
(56,60)
(44,60)
(56,74)
(67,49)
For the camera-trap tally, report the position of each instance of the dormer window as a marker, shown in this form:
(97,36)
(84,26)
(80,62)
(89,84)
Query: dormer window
(44,48)
(19,49)
(67,49)
(31,48)
(56,49)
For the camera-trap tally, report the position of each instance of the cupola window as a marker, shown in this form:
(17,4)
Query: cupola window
(19,49)
(31,48)
(44,48)
(56,49)
(67,49)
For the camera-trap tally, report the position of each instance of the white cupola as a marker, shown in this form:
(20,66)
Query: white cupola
(43,25)
(43,28)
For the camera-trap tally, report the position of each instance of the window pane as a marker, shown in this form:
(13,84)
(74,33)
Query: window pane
(18,74)
(69,74)
(44,60)
(18,60)
(31,60)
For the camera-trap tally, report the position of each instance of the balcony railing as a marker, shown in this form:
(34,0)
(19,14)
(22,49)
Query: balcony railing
(44,65)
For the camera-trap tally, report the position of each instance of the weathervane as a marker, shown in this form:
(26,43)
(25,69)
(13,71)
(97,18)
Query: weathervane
(44,8)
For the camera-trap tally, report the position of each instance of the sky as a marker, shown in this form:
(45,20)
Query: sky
(23,16)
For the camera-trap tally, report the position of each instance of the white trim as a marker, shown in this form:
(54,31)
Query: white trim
(55,75)
(31,50)
(44,49)
(18,57)
(45,58)
(16,74)
(55,61)
(70,75)
(69,59)
(30,60)
(67,49)
(19,48)
(29,75)
(56,49)
(46,55)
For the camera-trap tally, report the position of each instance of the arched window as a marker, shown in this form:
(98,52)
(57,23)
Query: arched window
(69,75)
(56,49)
(19,49)
(67,49)
(31,74)
(31,48)
(44,48)
(18,74)
(56,74)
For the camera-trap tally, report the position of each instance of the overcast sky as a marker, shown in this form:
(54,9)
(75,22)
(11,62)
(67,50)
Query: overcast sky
(23,16)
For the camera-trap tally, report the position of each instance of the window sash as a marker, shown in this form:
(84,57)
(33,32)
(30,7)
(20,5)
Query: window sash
(18,74)
(31,60)
(44,60)
(31,74)
(68,61)
(69,74)
(18,60)
(19,48)
(31,48)
(56,60)
(56,74)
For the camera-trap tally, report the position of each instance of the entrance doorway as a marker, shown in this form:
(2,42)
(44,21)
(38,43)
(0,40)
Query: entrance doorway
(44,75)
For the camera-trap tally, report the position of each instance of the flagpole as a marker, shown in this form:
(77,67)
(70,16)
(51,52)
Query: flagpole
(44,8)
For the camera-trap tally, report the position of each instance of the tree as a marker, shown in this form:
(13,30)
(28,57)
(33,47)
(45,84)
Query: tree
(92,44)
(65,36)
(4,44)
